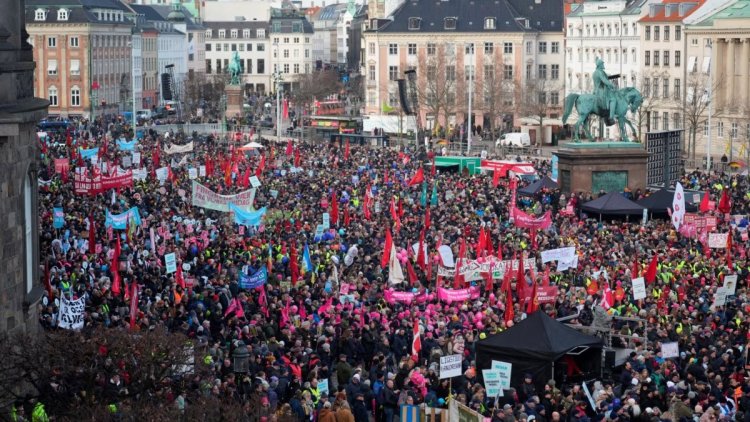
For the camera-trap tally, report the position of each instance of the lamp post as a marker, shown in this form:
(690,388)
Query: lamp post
(277,81)
(709,95)
(241,357)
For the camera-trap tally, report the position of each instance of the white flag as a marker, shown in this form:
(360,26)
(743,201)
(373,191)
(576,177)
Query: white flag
(678,206)
(395,273)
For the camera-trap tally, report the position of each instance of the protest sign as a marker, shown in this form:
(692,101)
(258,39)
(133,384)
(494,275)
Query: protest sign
(559,254)
(58,219)
(323,387)
(717,240)
(124,145)
(254,181)
(504,370)
(192,173)
(177,149)
(720,297)
(83,184)
(70,316)
(546,294)
(730,283)
(670,350)
(639,288)
(204,197)
(563,265)
(492,383)
(120,221)
(326,220)
(140,174)
(62,165)
(137,158)
(527,221)
(170,261)
(127,161)
(450,366)
(274,193)
(255,280)
(162,173)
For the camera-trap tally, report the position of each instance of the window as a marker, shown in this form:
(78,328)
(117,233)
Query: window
(734,131)
(648,58)
(489,72)
(431,48)
(720,129)
(51,42)
(656,33)
(259,47)
(222,33)
(261,66)
(656,57)
(431,72)
(240,46)
(677,58)
(260,33)
(508,71)
(208,46)
(555,47)
(307,53)
(75,97)
(542,98)
(392,49)
(676,121)
(694,41)
(392,99)
(665,120)
(249,66)
(508,48)
(450,49)
(469,48)
(296,27)
(74,42)
(218,66)
(218,47)
(40,15)
(286,67)
(393,73)
(655,88)
(646,87)
(554,98)
(234,47)
(450,73)
(677,89)
(666,32)
(208,66)
(705,128)
(449,23)
(209,33)
(542,47)
(469,73)
(75,67)
(528,72)
(489,23)
(555,74)
(665,88)
(489,48)
(371,72)
(677,33)
(233,33)
(648,33)
(415,23)
(296,68)
(654,121)
(541,71)
(286,53)
(634,56)
(529,47)
(411,49)
(52,67)
(245,33)
(296,40)
(52,96)
(286,40)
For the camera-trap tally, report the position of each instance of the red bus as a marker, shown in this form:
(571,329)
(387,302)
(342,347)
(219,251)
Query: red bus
(330,108)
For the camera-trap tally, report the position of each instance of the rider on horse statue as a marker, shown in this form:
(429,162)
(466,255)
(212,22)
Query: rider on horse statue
(604,91)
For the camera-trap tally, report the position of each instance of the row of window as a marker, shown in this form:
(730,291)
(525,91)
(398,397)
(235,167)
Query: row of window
(665,55)
(612,29)
(651,88)
(610,55)
(285,53)
(235,47)
(223,64)
(75,96)
(415,23)
(286,40)
(296,27)
(74,69)
(488,96)
(450,72)
(659,30)
(661,122)
(234,33)
(73,42)
(489,48)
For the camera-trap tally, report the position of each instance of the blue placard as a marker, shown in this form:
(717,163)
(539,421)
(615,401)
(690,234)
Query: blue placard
(254,281)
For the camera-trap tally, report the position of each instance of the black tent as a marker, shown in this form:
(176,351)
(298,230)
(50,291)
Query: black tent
(659,201)
(612,203)
(533,188)
(534,344)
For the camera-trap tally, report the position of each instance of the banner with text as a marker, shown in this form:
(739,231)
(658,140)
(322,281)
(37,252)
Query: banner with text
(204,197)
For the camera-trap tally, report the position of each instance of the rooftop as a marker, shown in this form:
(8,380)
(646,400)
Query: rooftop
(671,10)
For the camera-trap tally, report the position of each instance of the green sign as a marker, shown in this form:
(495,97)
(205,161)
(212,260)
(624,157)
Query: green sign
(609,181)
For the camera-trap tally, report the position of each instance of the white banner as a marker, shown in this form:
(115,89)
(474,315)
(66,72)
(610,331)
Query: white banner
(140,174)
(450,366)
(71,313)
(563,265)
(177,149)
(162,174)
(204,197)
(717,240)
(559,254)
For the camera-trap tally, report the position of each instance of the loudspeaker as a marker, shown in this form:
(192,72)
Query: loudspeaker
(166,87)
(403,96)
(609,360)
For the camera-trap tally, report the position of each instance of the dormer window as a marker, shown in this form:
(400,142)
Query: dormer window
(449,23)
(40,15)
(260,33)
(222,33)
(415,24)
(62,14)
(209,33)
(233,33)
(489,23)
(245,33)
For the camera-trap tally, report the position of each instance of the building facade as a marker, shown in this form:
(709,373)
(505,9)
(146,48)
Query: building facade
(291,44)
(19,113)
(514,73)
(83,54)
(251,42)
(150,66)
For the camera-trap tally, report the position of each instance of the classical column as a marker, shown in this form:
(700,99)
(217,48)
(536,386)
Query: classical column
(744,73)
(717,72)
(730,96)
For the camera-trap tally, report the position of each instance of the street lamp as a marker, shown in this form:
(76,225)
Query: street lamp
(241,358)
(709,96)
(471,89)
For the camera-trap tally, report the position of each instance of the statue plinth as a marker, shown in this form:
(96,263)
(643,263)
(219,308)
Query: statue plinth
(608,166)
(235,99)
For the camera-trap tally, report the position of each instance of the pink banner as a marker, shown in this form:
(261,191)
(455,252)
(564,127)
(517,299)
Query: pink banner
(404,297)
(460,295)
(526,221)
(546,294)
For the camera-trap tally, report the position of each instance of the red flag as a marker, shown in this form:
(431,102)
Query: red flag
(155,157)
(133,305)
(416,343)
(209,166)
(418,177)
(433,168)
(386,249)
(289,147)
(500,250)
(228,174)
(507,276)
(725,204)
(346,150)
(495,178)
(400,208)
(521,281)
(115,264)
(729,251)
(488,279)
(479,246)
(533,239)
(545,280)
(334,209)
(636,271)
(533,304)
(261,166)
(178,276)
(302,310)
(489,249)
(263,300)
(509,314)
(705,207)
(394,216)
(412,274)
(92,235)
(48,283)
(284,315)
(347,217)
(297,157)
(293,266)
(326,306)
(651,271)
(427,218)
(458,279)
(245,182)
(420,253)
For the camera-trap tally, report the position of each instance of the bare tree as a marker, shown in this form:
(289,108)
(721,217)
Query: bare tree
(204,91)
(316,85)
(498,90)
(539,97)
(436,90)
(697,100)
(648,86)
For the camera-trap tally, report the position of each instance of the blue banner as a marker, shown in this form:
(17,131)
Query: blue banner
(88,153)
(555,160)
(306,257)
(254,281)
(124,145)
(247,218)
(58,218)
(120,221)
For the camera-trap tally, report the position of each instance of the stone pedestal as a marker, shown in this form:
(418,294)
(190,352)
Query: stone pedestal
(235,99)
(595,166)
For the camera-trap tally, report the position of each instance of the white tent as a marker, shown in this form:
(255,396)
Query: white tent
(251,145)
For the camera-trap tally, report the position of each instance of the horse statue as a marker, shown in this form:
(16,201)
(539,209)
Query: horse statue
(235,69)
(625,99)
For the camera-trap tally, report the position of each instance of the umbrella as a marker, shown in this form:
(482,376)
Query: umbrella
(251,145)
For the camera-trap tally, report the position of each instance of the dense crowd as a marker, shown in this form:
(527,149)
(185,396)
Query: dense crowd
(305,332)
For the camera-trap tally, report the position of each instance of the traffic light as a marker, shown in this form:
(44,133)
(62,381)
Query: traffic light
(166,86)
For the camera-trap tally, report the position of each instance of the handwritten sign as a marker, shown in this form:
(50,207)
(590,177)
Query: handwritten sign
(170,261)
(730,283)
(71,313)
(670,350)
(639,288)
(450,366)
(717,240)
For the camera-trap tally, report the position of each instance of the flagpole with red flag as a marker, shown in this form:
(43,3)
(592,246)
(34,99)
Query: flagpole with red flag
(416,343)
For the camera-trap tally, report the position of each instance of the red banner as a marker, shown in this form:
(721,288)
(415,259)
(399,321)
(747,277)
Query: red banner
(526,221)
(94,185)
(546,294)
(61,165)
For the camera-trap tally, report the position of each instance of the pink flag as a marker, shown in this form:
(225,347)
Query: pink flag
(263,300)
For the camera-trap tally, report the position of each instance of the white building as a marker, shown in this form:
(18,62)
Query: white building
(136,56)
(228,10)
(331,25)
(250,40)
(291,43)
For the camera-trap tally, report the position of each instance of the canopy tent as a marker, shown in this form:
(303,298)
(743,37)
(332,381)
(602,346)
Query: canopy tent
(659,201)
(506,166)
(534,188)
(533,345)
(612,203)
(251,145)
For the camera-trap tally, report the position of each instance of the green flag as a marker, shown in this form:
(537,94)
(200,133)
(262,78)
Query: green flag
(423,198)
(434,197)
(387,108)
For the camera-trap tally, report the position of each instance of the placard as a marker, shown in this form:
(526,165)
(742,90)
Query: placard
(254,181)
(323,387)
(717,240)
(492,383)
(136,158)
(170,261)
(202,171)
(504,370)
(326,221)
(730,283)
(639,288)
(127,162)
(192,173)
(670,350)
(274,193)
(450,366)
(720,298)
(70,315)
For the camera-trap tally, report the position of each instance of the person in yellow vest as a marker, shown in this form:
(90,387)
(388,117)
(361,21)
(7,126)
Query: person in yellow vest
(39,414)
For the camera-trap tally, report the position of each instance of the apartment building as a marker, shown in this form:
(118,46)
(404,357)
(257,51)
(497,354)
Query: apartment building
(251,42)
